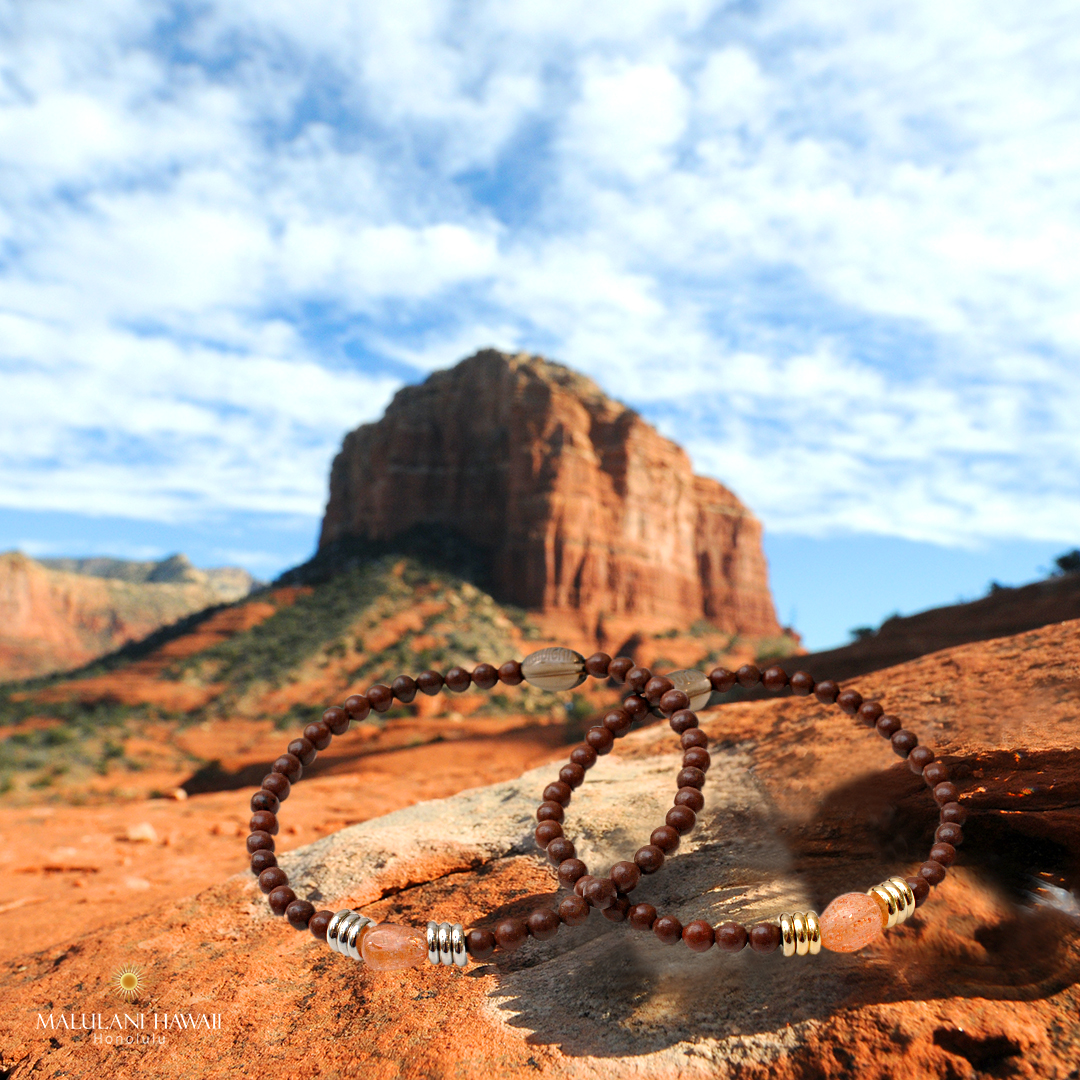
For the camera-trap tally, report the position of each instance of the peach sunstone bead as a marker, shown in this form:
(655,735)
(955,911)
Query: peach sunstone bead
(392,947)
(850,922)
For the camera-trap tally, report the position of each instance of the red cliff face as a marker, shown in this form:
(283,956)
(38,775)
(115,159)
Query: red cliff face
(582,507)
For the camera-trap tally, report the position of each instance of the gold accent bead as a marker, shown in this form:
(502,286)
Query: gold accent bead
(908,897)
(787,935)
(802,937)
(813,933)
(800,933)
(888,902)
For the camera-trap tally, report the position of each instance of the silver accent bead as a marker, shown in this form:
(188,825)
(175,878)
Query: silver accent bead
(343,932)
(554,668)
(446,955)
(457,945)
(433,942)
(694,684)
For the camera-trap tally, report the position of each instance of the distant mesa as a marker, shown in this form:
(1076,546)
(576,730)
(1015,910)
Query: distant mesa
(566,501)
(56,614)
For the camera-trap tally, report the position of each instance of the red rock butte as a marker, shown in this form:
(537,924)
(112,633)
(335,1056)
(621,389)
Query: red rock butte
(581,507)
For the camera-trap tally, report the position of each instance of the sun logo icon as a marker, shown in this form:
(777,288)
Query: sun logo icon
(128,982)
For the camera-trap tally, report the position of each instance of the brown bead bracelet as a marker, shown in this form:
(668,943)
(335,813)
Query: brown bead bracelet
(848,923)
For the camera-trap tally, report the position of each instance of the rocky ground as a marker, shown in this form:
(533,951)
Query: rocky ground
(801,806)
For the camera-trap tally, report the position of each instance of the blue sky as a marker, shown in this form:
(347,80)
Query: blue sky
(830,248)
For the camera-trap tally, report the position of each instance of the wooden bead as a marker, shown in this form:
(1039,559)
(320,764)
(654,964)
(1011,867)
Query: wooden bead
(682,819)
(649,858)
(510,934)
(665,837)
(318,924)
(572,775)
(694,684)
(731,936)
(690,777)
(260,841)
(673,701)
(303,750)
(698,935)
(655,689)
(641,916)
(485,676)
(937,772)
(826,691)
(748,676)
(933,872)
(277,784)
(573,911)
(919,758)
(953,813)
(774,679)
(945,793)
(550,811)
(430,683)
(802,684)
(263,821)
(404,688)
(849,701)
(289,766)
(637,678)
(558,792)
(667,929)
(691,798)
(637,707)
(262,860)
(903,742)
(619,668)
(597,665)
(585,756)
(458,679)
(571,871)
(722,680)
(693,737)
(272,878)
(943,853)
(683,720)
(765,937)
(338,719)
(357,707)
(280,899)
(318,734)
(618,722)
(888,726)
(697,758)
(870,712)
(625,876)
(299,914)
(479,944)
(617,909)
(599,893)
(543,924)
(265,800)
(380,697)
(948,832)
(559,850)
(510,673)
(600,739)
(547,831)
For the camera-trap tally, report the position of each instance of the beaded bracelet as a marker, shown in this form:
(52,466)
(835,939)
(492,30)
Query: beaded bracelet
(847,924)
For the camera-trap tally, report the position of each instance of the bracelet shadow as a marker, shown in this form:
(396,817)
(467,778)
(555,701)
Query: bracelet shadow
(1005,926)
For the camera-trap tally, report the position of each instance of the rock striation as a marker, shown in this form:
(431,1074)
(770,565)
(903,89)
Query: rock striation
(577,504)
(56,619)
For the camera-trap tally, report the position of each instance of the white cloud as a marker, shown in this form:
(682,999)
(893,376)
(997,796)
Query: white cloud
(830,248)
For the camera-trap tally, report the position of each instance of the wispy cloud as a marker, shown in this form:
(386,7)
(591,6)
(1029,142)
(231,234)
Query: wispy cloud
(831,248)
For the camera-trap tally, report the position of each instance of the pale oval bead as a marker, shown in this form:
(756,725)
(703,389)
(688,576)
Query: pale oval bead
(392,947)
(850,922)
(694,684)
(554,668)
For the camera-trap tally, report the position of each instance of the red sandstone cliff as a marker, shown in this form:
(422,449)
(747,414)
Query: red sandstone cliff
(581,506)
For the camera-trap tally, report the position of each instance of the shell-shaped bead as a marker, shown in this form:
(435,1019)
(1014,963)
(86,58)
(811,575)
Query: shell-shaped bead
(554,668)
(850,922)
(694,684)
(392,947)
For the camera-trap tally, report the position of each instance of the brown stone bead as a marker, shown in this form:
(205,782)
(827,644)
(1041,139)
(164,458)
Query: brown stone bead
(731,936)
(337,719)
(952,813)
(748,676)
(765,937)
(262,860)
(665,837)
(510,934)
(380,697)
(617,909)
(510,673)
(289,766)
(641,916)
(649,858)
(574,911)
(303,749)
(550,811)
(430,683)
(933,872)
(619,668)
(637,707)
(849,701)
(698,758)
(546,831)
(943,853)
(263,821)
(560,849)
(458,680)
(693,737)
(280,899)
(937,772)
(656,688)
(690,797)
(690,777)
(722,680)
(826,691)
(357,707)
(260,841)
(573,775)
(299,914)
(558,791)
(599,893)
(579,885)
(479,944)
(802,684)
(637,678)
(903,742)
(585,756)
(485,676)
(403,688)
(318,734)
(668,929)
(888,726)
(265,800)
(682,819)
(272,878)
(920,887)
(618,722)
(698,935)
(543,924)
(682,721)
(774,679)
(626,876)
(598,664)
(870,712)
(571,871)
(919,758)
(674,701)
(600,739)
(949,832)
(945,793)
(319,923)
(277,785)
